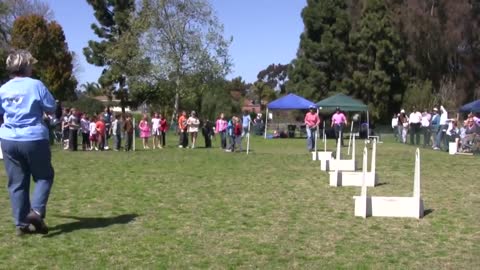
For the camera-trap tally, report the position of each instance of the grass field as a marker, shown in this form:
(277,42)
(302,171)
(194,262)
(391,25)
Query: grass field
(204,208)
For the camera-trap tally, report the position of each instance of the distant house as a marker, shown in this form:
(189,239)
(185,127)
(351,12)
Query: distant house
(251,106)
(112,103)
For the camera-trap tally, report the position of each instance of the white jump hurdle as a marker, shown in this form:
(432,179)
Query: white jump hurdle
(338,163)
(392,206)
(322,155)
(345,178)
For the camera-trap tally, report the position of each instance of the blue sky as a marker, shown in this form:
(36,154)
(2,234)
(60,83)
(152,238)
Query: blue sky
(263,31)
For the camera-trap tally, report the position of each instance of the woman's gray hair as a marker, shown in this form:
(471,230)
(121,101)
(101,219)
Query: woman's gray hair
(19,60)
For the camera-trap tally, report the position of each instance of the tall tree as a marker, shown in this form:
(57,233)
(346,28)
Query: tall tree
(379,60)
(118,45)
(322,60)
(46,41)
(275,75)
(184,38)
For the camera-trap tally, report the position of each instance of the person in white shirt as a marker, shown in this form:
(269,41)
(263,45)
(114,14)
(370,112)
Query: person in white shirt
(395,126)
(426,118)
(93,134)
(415,125)
(442,129)
(156,131)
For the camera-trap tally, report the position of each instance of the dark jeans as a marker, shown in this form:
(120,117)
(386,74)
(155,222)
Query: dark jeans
(339,133)
(183,139)
(118,141)
(73,140)
(426,136)
(107,135)
(128,141)
(163,136)
(415,133)
(85,141)
(208,141)
(24,160)
(223,138)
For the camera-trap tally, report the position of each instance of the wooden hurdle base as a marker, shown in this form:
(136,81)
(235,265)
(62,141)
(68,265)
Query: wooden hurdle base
(352,179)
(321,155)
(388,207)
(348,165)
(412,207)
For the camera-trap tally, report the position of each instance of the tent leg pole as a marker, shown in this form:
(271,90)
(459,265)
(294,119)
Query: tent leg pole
(266,125)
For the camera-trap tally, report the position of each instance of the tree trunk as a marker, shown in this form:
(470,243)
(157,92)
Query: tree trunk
(177,99)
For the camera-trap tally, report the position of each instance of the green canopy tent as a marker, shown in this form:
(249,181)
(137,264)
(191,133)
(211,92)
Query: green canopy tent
(345,103)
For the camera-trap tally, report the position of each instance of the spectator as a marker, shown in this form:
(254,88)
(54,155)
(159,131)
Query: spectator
(221,128)
(443,125)
(403,123)
(182,129)
(415,121)
(426,118)
(128,129)
(193,125)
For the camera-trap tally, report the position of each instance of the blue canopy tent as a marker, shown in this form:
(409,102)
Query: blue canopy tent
(288,102)
(471,107)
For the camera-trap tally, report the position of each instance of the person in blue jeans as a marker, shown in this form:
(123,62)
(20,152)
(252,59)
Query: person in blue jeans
(25,145)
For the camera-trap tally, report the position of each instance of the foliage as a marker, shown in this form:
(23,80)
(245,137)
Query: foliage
(275,75)
(322,60)
(117,51)
(46,41)
(86,104)
(378,61)
(91,89)
(419,95)
(183,41)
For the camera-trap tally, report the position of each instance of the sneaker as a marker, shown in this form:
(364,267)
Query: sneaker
(96,148)
(180,146)
(21,231)
(106,147)
(436,148)
(37,221)
(228,151)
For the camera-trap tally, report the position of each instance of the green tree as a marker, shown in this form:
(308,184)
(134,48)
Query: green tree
(91,89)
(117,49)
(46,41)
(184,40)
(379,61)
(322,60)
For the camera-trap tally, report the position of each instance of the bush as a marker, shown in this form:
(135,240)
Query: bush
(86,105)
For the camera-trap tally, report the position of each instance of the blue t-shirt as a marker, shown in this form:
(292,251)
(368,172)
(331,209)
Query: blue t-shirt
(246,119)
(23,102)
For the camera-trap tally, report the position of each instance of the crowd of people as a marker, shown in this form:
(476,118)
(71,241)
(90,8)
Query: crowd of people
(436,128)
(96,130)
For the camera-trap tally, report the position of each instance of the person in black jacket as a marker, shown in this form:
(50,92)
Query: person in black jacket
(207,132)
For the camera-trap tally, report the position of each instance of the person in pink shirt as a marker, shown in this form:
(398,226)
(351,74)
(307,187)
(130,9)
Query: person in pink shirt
(312,121)
(221,127)
(339,121)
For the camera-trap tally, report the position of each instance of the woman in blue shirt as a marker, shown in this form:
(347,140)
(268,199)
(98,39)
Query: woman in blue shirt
(25,145)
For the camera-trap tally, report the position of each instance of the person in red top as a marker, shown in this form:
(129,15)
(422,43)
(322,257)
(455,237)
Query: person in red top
(182,126)
(312,121)
(100,126)
(237,133)
(163,129)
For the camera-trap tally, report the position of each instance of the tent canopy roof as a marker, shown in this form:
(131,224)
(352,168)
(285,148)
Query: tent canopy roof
(290,102)
(344,102)
(471,107)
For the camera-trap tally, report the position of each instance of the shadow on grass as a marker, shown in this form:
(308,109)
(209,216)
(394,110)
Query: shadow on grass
(83,223)
(427,212)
